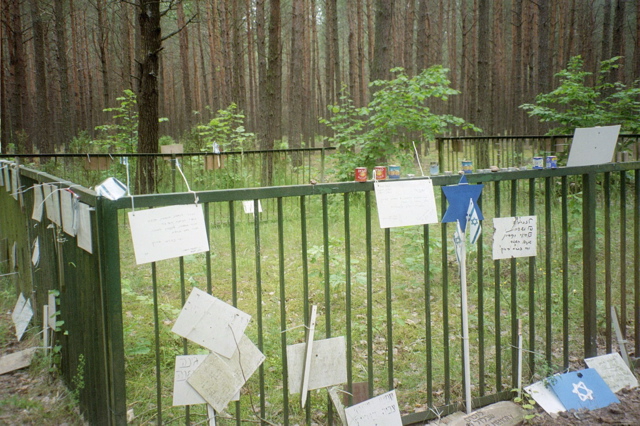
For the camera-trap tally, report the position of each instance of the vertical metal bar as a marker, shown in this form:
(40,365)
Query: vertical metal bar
(427,315)
(439,146)
(565,272)
(607,258)
(445,307)
(185,346)
(208,254)
(547,258)
(387,267)
(109,254)
(514,298)
(322,159)
(258,257)
(636,262)
(327,284)
(623,253)
(367,207)
(532,287)
(283,315)
(305,281)
(589,263)
(480,275)
(234,277)
(347,269)
(173,172)
(496,297)
(156,335)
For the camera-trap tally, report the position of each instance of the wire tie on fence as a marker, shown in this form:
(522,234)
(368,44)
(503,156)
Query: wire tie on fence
(417,157)
(10,273)
(293,328)
(195,195)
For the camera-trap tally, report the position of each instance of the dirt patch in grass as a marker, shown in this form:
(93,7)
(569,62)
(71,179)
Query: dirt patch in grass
(33,395)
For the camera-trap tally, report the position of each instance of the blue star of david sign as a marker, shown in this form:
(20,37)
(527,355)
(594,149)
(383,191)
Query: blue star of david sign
(458,197)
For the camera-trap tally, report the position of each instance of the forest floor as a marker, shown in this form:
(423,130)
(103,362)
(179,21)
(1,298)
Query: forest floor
(32,395)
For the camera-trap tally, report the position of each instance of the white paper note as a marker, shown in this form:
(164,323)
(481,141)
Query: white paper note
(168,232)
(406,203)
(183,393)
(22,315)
(53,309)
(219,379)
(247,205)
(14,182)
(593,145)
(212,323)
(328,364)
(514,237)
(35,256)
(84,227)
(613,371)
(68,202)
(7,180)
(52,203)
(545,397)
(382,410)
(38,204)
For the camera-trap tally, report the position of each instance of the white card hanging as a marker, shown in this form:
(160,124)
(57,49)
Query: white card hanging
(38,203)
(84,238)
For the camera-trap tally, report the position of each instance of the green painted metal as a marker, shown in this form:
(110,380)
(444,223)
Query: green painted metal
(445,307)
(283,314)
(607,259)
(636,260)
(589,264)
(548,269)
(532,289)
(565,271)
(623,253)
(348,290)
(389,309)
(427,314)
(497,296)
(515,315)
(369,256)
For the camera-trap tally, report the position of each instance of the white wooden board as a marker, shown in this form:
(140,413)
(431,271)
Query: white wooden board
(593,145)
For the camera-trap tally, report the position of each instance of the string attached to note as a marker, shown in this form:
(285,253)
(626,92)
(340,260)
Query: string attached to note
(417,157)
(195,196)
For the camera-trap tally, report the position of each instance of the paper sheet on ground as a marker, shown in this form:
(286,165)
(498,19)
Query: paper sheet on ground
(38,204)
(613,371)
(514,237)
(84,238)
(328,364)
(219,379)
(545,397)
(405,203)
(168,232)
(212,323)
(593,145)
(247,205)
(382,410)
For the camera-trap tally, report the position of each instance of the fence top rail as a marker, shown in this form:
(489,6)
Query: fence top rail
(158,200)
(176,154)
(521,137)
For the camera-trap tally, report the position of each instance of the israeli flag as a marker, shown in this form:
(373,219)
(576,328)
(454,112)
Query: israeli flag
(473,222)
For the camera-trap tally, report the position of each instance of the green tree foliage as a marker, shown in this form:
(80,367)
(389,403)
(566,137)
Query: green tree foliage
(397,114)
(121,135)
(578,103)
(227,130)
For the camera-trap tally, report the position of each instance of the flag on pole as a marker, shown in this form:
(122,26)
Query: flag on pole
(474,222)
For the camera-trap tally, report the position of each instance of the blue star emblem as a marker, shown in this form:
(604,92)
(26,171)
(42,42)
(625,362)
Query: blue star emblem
(458,197)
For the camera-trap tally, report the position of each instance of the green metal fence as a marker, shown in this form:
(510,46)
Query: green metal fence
(393,293)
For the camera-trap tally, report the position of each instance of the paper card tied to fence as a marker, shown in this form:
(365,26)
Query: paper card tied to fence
(211,323)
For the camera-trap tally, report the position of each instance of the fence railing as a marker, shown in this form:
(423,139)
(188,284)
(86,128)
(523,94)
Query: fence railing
(515,151)
(202,170)
(393,293)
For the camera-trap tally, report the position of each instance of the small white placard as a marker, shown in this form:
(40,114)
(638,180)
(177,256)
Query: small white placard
(545,397)
(53,311)
(38,204)
(68,202)
(112,189)
(514,237)
(84,238)
(247,205)
(183,393)
(328,364)
(1,174)
(593,145)
(14,182)
(210,322)
(382,410)
(35,256)
(7,181)
(218,379)
(405,203)
(613,371)
(52,203)
(168,232)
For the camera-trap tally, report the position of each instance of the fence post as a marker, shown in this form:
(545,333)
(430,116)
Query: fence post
(589,293)
(439,142)
(109,253)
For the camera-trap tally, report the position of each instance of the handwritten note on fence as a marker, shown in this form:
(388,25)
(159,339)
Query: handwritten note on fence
(406,203)
(514,237)
(382,410)
(613,371)
(183,393)
(168,232)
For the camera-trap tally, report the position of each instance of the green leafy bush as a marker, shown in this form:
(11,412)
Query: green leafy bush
(226,129)
(397,114)
(578,103)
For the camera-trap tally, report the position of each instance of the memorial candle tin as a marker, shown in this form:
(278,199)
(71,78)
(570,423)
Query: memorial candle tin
(394,172)
(380,172)
(467,166)
(537,163)
(361,174)
(552,162)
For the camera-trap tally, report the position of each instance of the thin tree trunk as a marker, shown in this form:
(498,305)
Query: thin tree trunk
(184,66)
(484,78)
(66,125)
